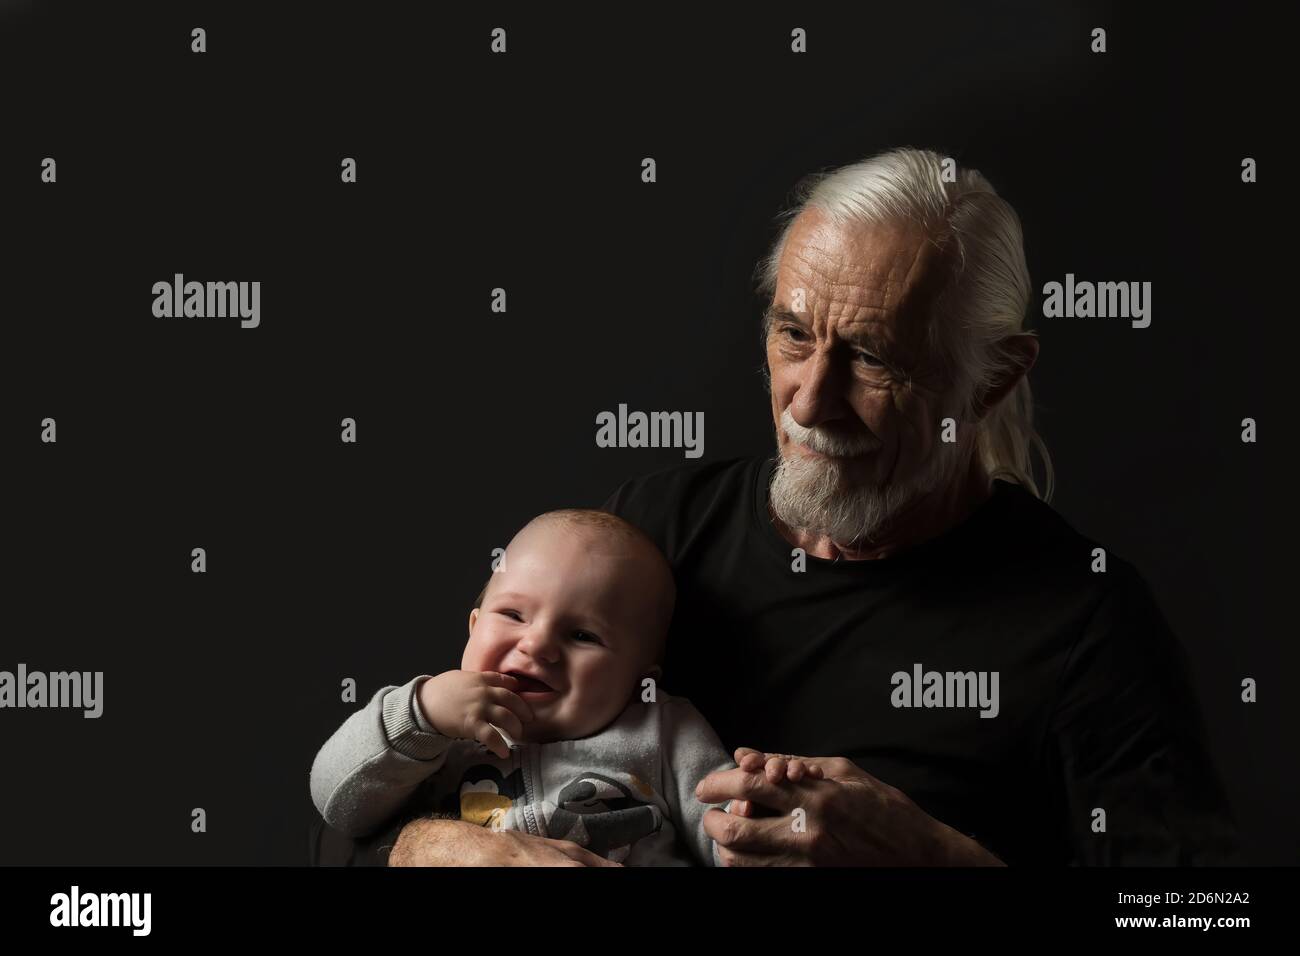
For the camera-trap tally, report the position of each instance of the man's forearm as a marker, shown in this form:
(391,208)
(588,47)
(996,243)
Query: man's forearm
(960,850)
(434,841)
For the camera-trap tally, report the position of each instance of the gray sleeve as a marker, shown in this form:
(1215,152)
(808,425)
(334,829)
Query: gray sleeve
(691,751)
(420,720)
(373,763)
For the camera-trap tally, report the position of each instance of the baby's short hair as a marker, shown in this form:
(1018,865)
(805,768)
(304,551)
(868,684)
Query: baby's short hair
(599,520)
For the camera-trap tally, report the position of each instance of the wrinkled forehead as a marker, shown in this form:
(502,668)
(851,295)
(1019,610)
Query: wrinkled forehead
(878,281)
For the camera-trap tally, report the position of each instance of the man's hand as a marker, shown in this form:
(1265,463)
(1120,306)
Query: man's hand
(429,842)
(850,817)
(465,704)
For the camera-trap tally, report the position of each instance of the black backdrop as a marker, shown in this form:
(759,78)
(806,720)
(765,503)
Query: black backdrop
(522,171)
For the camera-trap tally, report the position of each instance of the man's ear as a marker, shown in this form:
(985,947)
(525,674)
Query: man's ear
(1021,352)
(473,616)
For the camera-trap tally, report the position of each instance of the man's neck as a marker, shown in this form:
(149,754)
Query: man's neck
(920,520)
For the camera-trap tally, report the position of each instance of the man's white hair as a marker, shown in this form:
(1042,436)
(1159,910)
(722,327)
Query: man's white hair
(984,299)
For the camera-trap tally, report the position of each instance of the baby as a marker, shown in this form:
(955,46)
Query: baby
(554,725)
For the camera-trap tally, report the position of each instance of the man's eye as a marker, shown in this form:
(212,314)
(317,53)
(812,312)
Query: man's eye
(871,360)
(793,333)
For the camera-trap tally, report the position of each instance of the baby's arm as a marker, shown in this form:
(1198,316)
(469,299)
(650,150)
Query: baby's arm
(375,761)
(691,751)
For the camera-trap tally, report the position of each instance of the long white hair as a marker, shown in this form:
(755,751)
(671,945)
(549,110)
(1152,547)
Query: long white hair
(984,300)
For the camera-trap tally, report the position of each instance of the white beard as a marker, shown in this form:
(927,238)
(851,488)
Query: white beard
(817,495)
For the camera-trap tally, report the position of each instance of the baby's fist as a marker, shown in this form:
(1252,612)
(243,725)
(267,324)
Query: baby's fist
(465,704)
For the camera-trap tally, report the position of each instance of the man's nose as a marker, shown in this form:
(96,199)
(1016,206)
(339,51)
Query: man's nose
(819,396)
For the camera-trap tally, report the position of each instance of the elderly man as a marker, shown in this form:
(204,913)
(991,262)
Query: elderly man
(902,639)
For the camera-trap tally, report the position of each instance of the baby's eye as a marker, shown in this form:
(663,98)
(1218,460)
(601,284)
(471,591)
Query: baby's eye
(512,614)
(586,637)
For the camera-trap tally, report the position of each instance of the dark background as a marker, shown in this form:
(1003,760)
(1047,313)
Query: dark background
(328,561)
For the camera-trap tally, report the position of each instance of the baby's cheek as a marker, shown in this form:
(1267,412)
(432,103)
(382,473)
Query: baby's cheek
(595,700)
(484,650)
(473,658)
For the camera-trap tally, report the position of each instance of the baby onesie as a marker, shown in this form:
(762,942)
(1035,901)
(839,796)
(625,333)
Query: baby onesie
(626,793)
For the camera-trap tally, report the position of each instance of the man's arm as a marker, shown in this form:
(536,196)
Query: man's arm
(1126,744)
(430,842)
(436,840)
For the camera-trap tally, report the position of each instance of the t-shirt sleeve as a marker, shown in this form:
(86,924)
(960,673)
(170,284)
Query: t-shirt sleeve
(691,751)
(1126,737)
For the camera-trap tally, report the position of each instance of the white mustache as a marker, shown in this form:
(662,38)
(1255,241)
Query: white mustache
(826,444)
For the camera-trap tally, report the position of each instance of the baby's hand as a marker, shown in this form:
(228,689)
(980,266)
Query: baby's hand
(465,704)
(777,768)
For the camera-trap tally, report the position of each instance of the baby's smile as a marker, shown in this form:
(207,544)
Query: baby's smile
(532,688)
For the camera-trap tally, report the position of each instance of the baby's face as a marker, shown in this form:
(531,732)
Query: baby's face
(571,615)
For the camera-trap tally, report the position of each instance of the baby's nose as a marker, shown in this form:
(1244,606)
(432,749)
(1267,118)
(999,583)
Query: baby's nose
(541,643)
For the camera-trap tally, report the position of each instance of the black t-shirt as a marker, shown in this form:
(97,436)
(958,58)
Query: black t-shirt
(1093,705)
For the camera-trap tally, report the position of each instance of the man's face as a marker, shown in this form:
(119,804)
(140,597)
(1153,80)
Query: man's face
(569,614)
(857,396)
